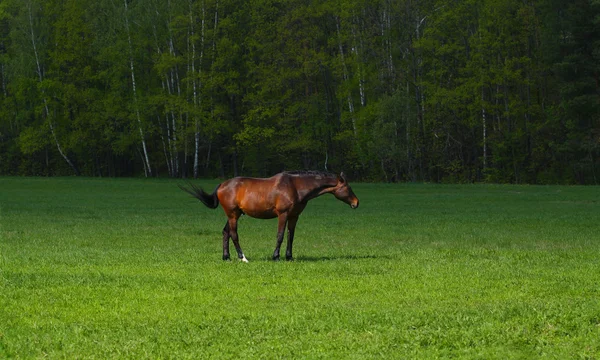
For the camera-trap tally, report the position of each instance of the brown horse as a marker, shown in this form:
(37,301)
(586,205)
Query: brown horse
(283,196)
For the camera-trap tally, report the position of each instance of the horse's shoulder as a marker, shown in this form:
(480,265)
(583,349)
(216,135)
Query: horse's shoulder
(282,179)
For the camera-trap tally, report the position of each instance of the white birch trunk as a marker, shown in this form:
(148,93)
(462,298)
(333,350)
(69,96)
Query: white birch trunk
(196,98)
(41,79)
(386,27)
(484,123)
(174,78)
(166,86)
(145,158)
(162,138)
(408,155)
(175,127)
(214,50)
(346,79)
(385,41)
(361,80)
(168,124)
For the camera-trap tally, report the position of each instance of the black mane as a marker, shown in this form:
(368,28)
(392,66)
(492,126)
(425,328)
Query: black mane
(310,173)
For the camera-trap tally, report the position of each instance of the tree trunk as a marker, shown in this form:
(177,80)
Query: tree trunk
(484,123)
(41,79)
(361,78)
(346,77)
(145,158)
(3,76)
(197,87)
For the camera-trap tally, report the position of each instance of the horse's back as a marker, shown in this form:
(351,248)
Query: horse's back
(255,184)
(256,197)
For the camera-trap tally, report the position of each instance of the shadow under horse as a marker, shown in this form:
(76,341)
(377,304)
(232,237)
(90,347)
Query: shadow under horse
(283,196)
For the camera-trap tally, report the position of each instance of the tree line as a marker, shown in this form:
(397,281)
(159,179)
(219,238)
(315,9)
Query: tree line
(501,91)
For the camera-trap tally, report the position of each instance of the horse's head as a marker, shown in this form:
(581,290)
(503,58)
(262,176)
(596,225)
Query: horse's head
(344,192)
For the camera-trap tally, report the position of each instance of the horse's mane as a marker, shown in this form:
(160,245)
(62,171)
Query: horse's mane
(310,173)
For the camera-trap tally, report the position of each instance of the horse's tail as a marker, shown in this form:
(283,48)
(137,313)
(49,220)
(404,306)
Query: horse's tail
(210,200)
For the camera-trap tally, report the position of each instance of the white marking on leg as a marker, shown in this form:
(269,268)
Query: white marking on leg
(244,258)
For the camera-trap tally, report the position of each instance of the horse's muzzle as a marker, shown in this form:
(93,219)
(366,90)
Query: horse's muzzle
(354,205)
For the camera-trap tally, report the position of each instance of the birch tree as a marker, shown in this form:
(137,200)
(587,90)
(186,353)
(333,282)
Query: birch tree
(145,157)
(40,74)
(196,77)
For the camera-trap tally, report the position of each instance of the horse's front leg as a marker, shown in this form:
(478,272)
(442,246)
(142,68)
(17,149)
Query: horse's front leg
(282,220)
(291,230)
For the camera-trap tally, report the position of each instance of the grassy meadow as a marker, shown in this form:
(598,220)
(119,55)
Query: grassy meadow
(131,268)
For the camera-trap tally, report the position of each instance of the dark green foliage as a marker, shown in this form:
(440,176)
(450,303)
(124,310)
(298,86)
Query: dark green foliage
(443,91)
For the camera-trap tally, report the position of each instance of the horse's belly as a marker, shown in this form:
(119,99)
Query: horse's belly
(260,214)
(258,209)
(262,204)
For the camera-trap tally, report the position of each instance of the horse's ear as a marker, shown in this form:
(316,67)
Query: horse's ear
(342,177)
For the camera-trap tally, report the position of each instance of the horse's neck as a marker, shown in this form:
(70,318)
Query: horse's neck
(317,188)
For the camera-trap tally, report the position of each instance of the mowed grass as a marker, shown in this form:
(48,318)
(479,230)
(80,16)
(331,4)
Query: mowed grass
(131,268)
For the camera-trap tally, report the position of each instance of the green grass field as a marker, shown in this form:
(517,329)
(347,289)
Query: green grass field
(130,268)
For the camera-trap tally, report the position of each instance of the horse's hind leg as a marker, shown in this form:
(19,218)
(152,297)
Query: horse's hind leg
(226,236)
(234,236)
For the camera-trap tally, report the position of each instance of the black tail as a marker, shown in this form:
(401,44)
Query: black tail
(210,200)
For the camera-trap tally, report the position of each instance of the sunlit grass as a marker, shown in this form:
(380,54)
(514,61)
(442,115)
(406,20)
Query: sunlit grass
(106,268)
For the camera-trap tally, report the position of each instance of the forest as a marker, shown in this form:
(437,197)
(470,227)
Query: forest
(456,91)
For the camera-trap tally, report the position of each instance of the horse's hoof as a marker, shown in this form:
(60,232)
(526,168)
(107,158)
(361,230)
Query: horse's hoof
(289,258)
(276,258)
(226,257)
